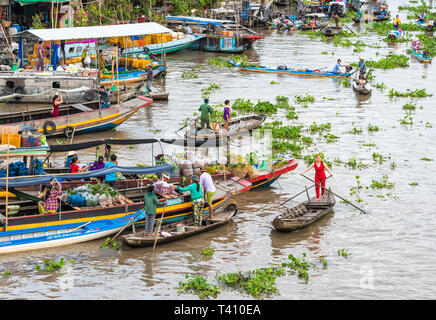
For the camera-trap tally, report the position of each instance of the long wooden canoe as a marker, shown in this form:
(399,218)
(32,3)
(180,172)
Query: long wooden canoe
(221,217)
(304,214)
(236,126)
(80,118)
(331,31)
(292,71)
(421,57)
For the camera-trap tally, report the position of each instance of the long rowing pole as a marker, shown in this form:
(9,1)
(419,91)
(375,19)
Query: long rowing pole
(346,201)
(302,191)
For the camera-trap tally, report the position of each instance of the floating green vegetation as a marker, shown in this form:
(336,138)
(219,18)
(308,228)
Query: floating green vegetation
(208,90)
(417,93)
(198,286)
(254,282)
(273,82)
(324,52)
(426,159)
(304,99)
(265,107)
(208,252)
(243,105)
(352,163)
(111,245)
(383,184)
(391,61)
(6,274)
(330,138)
(248,106)
(323,262)
(282,99)
(189,75)
(380,85)
(407,120)
(355,130)
(416,10)
(280,146)
(314,128)
(343,253)
(51,265)
(291,115)
(429,43)
(299,265)
(373,128)
(377,157)
(393,165)
(345,83)
(369,144)
(413,184)
(409,106)
(222,62)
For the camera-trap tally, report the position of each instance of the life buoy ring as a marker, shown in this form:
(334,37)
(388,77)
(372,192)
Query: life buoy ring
(68,131)
(46,126)
(18,90)
(317,70)
(89,95)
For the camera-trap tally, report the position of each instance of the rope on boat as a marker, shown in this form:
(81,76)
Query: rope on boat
(43,93)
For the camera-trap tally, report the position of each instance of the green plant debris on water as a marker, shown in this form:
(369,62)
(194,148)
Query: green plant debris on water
(304,99)
(314,128)
(189,75)
(355,130)
(111,245)
(208,90)
(389,62)
(380,85)
(417,93)
(383,184)
(426,159)
(208,252)
(274,82)
(343,253)
(345,83)
(51,265)
(414,184)
(330,138)
(199,286)
(377,157)
(373,128)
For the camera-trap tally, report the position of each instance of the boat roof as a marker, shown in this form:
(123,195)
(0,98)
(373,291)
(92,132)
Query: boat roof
(319,15)
(38,180)
(94,32)
(199,20)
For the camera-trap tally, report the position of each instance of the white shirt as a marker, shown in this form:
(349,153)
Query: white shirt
(207,182)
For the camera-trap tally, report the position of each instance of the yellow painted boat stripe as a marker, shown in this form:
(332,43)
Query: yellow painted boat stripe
(84,122)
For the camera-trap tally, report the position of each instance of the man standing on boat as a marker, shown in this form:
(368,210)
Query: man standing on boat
(149,75)
(209,189)
(362,66)
(336,68)
(206,110)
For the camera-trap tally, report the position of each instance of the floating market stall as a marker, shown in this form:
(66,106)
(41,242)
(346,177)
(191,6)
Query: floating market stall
(75,81)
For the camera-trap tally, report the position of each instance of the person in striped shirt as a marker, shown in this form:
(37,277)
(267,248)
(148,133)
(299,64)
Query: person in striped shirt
(49,196)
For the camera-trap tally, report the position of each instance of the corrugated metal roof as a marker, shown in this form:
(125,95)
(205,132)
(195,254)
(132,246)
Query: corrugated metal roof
(95,32)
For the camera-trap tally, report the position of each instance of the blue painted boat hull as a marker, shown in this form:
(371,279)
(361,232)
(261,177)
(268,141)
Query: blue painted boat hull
(54,236)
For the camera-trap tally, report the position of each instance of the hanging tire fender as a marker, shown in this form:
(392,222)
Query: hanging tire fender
(89,95)
(19,90)
(49,124)
(68,131)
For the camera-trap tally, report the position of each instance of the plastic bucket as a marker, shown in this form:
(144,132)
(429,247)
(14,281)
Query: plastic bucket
(180,227)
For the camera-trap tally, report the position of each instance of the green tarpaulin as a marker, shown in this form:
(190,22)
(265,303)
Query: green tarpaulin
(26,2)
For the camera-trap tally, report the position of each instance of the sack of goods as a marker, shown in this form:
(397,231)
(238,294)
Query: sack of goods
(163,187)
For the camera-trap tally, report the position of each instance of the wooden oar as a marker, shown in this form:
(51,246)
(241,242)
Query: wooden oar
(123,228)
(158,227)
(302,191)
(347,201)
(349,28)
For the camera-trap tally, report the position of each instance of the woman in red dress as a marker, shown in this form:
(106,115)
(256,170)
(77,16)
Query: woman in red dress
(319,175)
(57,101)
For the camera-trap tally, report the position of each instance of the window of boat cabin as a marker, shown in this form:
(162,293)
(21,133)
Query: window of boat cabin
(10,84)
(56,85)
(227,42)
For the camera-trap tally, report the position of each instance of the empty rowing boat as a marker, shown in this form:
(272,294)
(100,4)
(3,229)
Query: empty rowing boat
(291,71)
(304,214)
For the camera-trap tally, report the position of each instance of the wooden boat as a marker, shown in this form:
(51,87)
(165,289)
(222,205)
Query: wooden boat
(80,118)
(62,234)
(423,25)
(236,126)
(216,35)
(426,58)
(331,31)
(292,71)
(40,87)
(165,47)
(356,87)
(304,214)
(131,77)
(178,208)
(221,217)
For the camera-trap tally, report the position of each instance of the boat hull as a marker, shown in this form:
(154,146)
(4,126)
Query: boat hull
(356,88)
(420,57)
(310,73)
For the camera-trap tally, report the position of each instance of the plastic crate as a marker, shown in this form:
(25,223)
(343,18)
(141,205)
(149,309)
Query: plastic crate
(14,139)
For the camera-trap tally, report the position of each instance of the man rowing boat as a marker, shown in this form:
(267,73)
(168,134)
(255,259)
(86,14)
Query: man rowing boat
(336,68)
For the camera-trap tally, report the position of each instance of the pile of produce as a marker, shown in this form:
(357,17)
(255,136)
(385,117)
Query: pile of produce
(163,187)
(90,195)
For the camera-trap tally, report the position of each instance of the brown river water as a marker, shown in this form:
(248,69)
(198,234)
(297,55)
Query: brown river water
(392,253)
